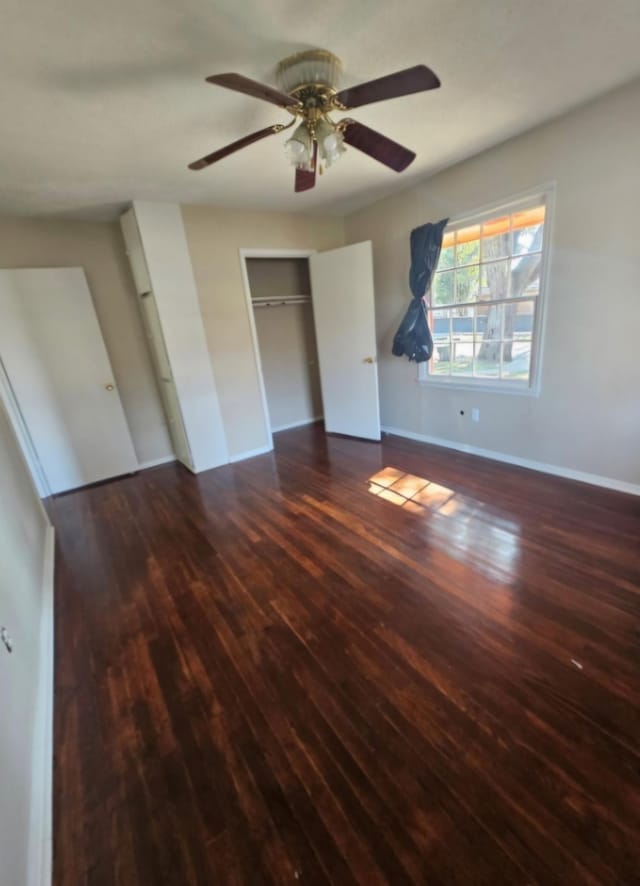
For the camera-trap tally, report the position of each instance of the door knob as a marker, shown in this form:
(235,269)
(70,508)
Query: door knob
(369,360)
(108,387)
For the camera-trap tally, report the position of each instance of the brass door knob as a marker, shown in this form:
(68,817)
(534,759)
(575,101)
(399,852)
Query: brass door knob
(108,387)
(369,360)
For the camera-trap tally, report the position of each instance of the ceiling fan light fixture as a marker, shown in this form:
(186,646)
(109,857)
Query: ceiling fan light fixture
(330,142)
(308,91)
(299,148)
(313,67)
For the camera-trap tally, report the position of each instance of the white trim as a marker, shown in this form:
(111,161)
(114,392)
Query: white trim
(462,384)
(556,470)
(41,823)
(298,424)
(244,255)
(153,462)
(277,253)
(250,453)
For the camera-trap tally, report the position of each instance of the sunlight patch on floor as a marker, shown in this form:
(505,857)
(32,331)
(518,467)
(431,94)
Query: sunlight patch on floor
(473,533)
(403,489)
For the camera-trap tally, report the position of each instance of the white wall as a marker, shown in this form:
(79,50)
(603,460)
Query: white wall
(587,417)
(23,540)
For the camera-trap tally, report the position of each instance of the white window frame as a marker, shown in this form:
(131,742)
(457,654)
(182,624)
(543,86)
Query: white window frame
(545,194)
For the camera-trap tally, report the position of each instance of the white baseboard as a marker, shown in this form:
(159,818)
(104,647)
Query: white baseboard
(297,424)
(251,453)
(154,462)
(41,825)
(556,470)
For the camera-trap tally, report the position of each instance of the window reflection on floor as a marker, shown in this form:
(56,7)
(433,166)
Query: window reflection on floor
(470,530)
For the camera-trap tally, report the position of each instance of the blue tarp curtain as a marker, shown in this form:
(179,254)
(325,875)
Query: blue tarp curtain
(413,337)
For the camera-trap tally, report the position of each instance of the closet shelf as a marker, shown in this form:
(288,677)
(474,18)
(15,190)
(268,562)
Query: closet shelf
(275,301)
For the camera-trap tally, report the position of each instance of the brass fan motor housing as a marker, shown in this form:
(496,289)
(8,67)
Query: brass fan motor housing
(312,77)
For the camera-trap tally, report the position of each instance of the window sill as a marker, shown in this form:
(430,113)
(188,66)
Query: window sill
(478,386)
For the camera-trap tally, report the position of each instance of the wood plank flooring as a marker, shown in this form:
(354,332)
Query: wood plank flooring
(286,671)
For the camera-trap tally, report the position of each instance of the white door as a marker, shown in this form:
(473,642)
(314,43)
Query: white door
(343,310)
(54,356)
(153,328)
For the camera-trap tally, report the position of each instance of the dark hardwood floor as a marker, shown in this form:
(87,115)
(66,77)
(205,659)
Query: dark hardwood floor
(282,671)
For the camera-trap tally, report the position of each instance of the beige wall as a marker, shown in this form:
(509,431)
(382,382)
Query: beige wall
(99,249)
(273,277)
(215,237)
(23,527)
(587,417)
(289,357)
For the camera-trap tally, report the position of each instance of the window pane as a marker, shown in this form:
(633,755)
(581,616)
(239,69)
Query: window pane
(492,322)
(519,320)
(462,324)
(496,238)
(527,240)
(468,245)
(447,255)
(487,359)
(443,287)
(440,365)
(516,360)
(441,331)
(468,283)
(481,313)
(440,325)
(495,280)
(462,355)
(525,275)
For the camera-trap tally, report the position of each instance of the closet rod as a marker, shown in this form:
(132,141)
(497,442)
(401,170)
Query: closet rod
(276,302)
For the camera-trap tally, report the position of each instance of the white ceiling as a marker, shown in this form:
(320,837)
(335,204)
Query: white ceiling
(105,101)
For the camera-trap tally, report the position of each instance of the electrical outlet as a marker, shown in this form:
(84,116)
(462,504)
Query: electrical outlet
(475,414)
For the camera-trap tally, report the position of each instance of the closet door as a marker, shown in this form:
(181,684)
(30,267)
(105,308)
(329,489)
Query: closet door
(344,311)
(168,392)
(135,252)
(59,370)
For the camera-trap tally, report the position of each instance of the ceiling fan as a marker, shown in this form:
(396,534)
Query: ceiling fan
(307,84)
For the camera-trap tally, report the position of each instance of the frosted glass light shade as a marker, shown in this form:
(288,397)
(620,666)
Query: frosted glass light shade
(299,148)
(317,66)
(330,142)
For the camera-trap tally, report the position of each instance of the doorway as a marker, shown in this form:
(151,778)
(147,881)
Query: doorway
(279,296)
(338,287)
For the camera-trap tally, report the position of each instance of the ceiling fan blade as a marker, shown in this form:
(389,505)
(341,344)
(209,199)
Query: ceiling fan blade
(251,87)
(305,178)
(417,79)
(234,146)
(378,146)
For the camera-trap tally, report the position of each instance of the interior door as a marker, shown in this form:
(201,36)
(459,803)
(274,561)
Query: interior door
(153,328)
(343,310)
(59,370)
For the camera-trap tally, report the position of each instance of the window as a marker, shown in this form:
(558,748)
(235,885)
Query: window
(485,303)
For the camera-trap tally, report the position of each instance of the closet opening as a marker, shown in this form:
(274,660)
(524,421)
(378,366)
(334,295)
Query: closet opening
(279,293)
